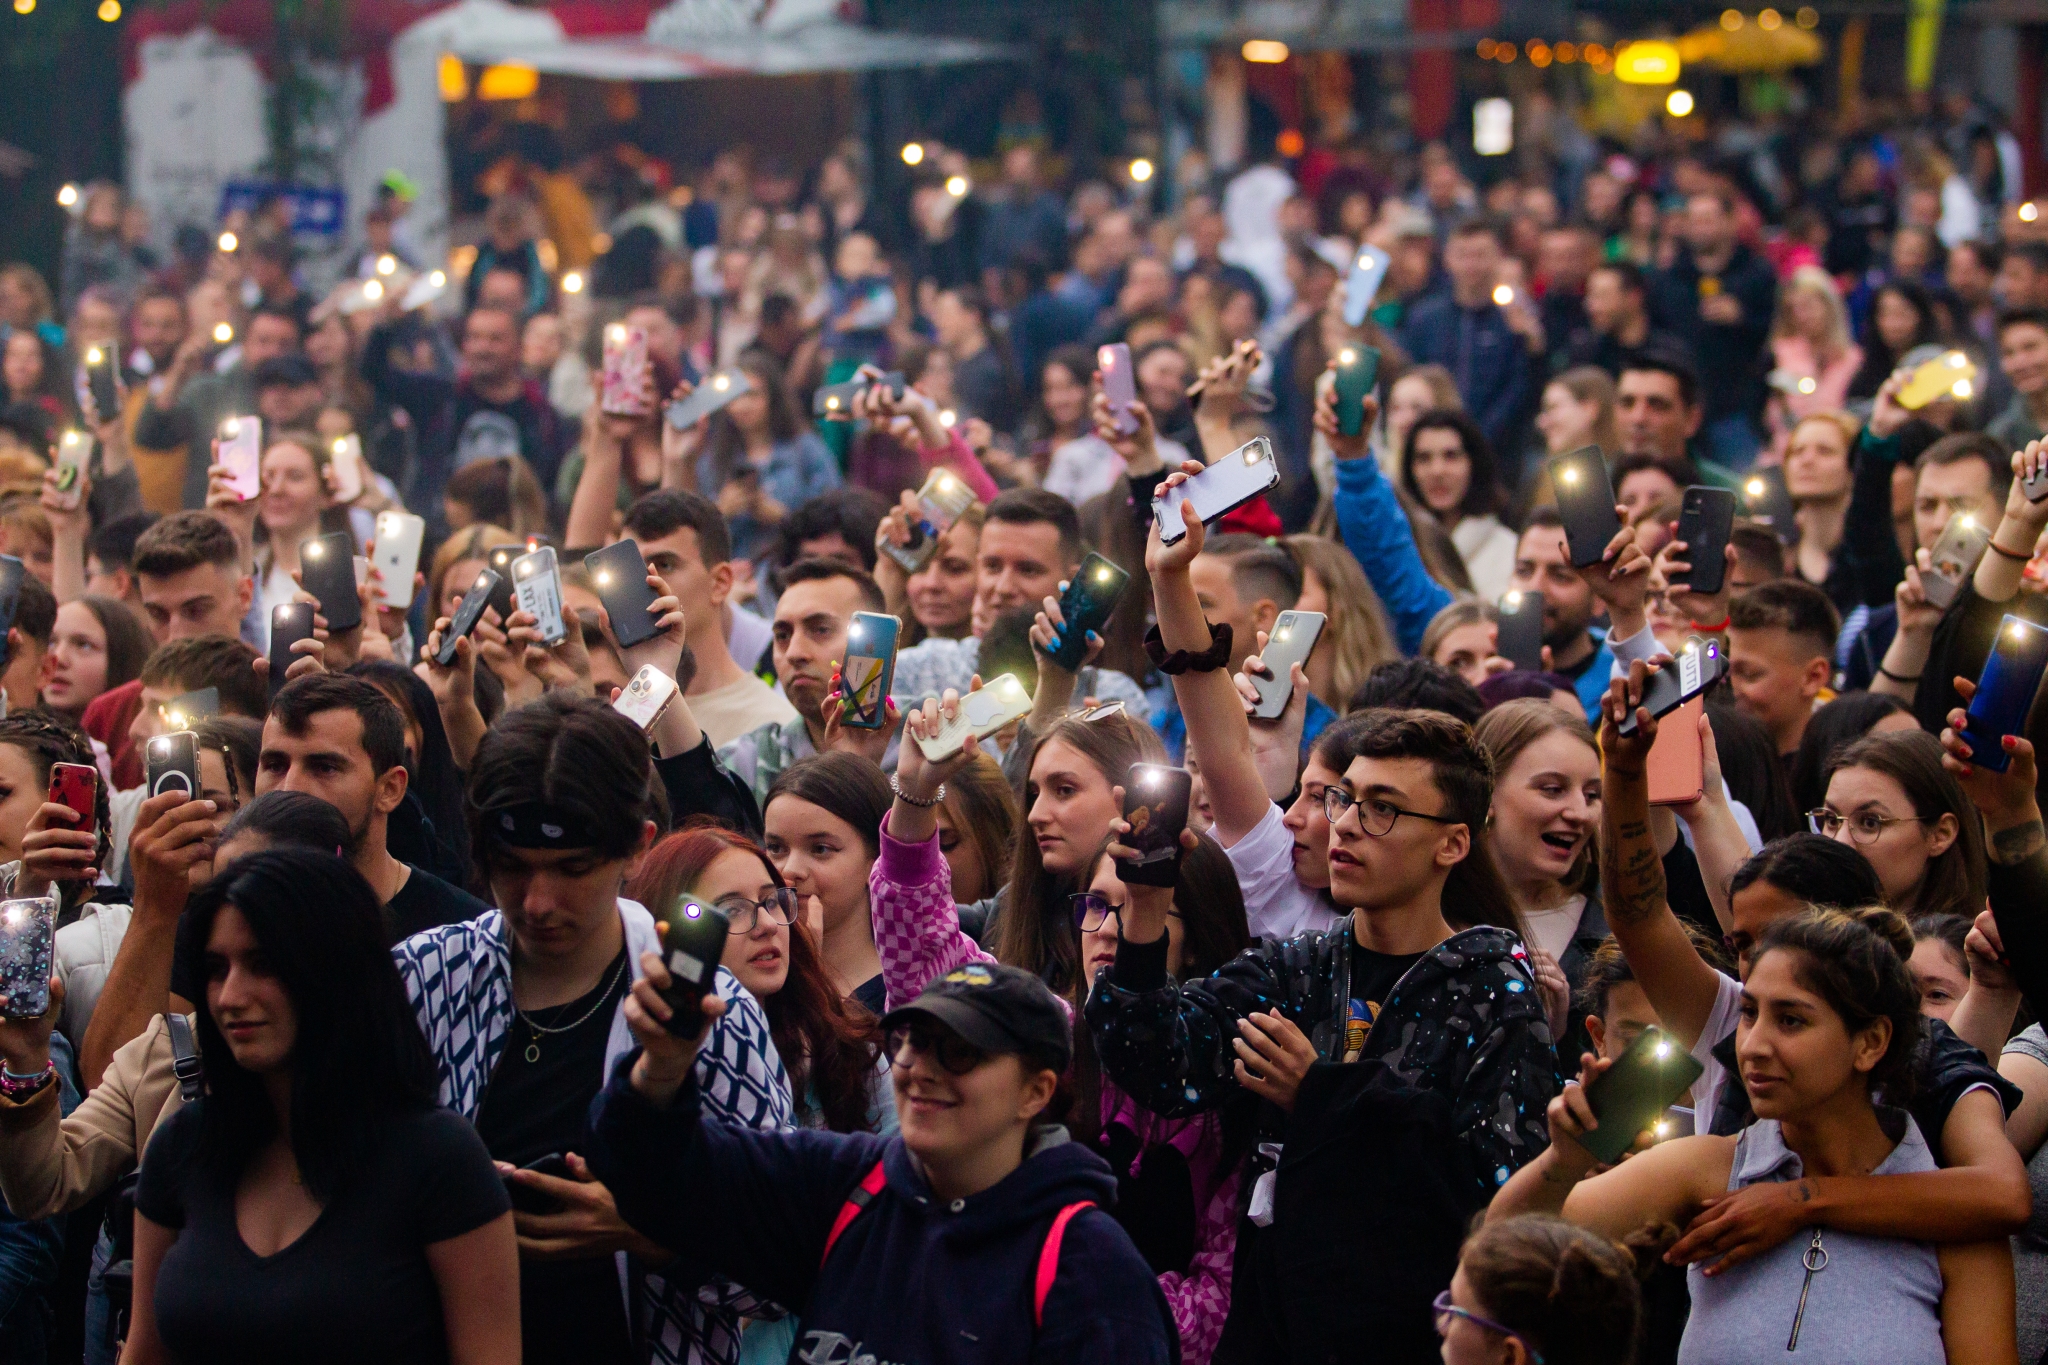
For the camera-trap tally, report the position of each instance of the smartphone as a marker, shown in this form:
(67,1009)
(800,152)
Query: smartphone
(835,401)
(467,615)
(1119,385)
(1086,602)
(500,558)
(172,764)
(348,468)
(1705,518)
(180,711)
(619,576)
(241,451)
(1294,637)
(1948,375)
(1156,807)
(1676,766)
(647,695)
(103,382)
(1585,500)
(290,622)
(2036,485)
(981,714)
(400,536)
(1219,490)
(624,377)
(76,786)
(693,941)
(708,397)
(1633,1094)
(529,1200)
(868,671)
(28,947)
(1362,286)
(943,500)
(1766,499)
(537,587)
(1700,665)
(1519,639)
(327,569)
(2005,691)
(12,571)
(1954,558)
(1358,369)
(73,449)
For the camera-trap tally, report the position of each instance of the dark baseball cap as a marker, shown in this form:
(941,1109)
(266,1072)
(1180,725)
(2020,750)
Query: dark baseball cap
(290,370)
(998,1009)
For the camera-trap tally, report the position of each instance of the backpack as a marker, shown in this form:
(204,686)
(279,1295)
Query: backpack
(118,1278)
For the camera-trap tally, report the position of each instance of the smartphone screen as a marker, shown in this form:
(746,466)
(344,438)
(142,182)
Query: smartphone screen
(2005,691)
(1766,499)
(1633,1094)
(1520,638)
(468,614)
(1705,518)
(28,947)
(172,764)
(1698,667)
(1294,638)
(982,713)
(1676,766)
(1220,489)
(290,622)
(619,576)
(1358,369)
(1089,598)
(241,453)
(537,586)
(693,940)
(1156,807)
(75,786)
(1585,501)
(1954,558)
(400,536)
(327,569)
(1119,386)
(869,669)
(1362,285)
(708,397)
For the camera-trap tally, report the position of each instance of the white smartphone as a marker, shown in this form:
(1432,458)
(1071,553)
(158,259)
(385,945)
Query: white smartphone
(981,714)
(399,537)
(241,451)
(537,587)
(73,449)
(1220,489)
(1954,558)
(1294,636)
(646,697)
(1368,271)
(348,468)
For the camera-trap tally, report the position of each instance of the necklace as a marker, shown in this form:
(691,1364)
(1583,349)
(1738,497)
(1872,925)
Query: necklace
(536,1030)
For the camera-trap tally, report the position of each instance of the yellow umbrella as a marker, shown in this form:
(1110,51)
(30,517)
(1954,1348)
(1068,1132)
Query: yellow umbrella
(1750,47)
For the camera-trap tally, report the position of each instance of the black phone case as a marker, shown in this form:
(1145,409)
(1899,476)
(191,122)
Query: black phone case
(528,1200)
(329,573)
(1156,806)
(1520,638)
(691,948)
(1705,519)
(106,395)
(467,615)
(1664,693)
(1628,1096)
(500,558)
(172,764)
(1585,502)
(1088,603)
(289,624)
(619,576)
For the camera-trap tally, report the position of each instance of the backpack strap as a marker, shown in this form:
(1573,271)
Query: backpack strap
(871,1185)
(1049,1259)
(185,1060)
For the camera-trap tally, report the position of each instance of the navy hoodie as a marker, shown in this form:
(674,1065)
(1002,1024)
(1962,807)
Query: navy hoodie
(912,1281)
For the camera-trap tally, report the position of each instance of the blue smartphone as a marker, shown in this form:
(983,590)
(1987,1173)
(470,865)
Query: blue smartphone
(2005,691)
(869,669)
(1090,596)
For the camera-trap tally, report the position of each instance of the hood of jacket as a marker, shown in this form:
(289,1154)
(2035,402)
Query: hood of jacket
(1056,1172)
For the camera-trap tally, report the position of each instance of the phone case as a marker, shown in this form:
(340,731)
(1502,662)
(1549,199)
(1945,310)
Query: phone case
(1630,1095)
(290,622)
(1156,807)
(1520,636)
(1294,638)
(1220,489)
(1676,766)
(537,587)
(180,711)
(173,764)
(348,468)
(76,786)
(2036,486)
(525,1198)
(2005,691)
(944,498)
(1585,500)
(693,941)
(103,383)
(1765,499)
(28,948)
(1362,286)
(1358,369)
(1698,667)
(625,371)
(1951,374)
(708,397)
(500,558)
(1954,558)
(619,576)
(981,715)
(835,401)
(468,614)
(869,669)
(1087,603)
(400,535)
(1119,385)
(646,696)
(327,570)
(73,449)
(241,453)
(1705,519)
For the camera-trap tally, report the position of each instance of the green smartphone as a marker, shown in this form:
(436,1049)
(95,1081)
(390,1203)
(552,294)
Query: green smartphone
(1358,369)
(1630,1096)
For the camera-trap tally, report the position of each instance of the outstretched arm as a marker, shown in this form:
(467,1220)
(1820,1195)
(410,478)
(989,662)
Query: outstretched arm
(1376,530)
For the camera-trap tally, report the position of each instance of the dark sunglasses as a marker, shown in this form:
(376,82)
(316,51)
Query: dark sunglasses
(949,1049)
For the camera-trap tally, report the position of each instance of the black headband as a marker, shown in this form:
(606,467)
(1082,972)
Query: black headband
(535,824)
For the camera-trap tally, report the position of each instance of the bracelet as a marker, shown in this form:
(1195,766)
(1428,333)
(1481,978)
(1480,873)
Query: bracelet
(908,799)
(15,1087)
(1713,630)
(1897,677)
(2000,550)
(1182,661)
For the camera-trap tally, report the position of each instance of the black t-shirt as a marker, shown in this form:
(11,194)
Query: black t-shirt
(873,994)
(1373,976)
(355,1287)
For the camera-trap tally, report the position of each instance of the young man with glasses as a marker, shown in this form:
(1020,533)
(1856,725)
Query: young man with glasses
(1425,986)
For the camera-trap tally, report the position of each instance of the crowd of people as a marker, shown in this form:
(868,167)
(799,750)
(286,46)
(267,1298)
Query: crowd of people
(376,1041)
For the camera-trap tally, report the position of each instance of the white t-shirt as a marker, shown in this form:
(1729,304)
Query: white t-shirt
(1721,1020)
(1276,905)
(744,704)
(1552,930)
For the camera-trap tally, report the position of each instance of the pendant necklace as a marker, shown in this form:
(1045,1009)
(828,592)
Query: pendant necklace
(535,1030)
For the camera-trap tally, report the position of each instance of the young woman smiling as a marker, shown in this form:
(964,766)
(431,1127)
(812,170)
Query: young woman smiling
(98,644)
(821,823)
(1447,466)
(292,511)
(1888,796)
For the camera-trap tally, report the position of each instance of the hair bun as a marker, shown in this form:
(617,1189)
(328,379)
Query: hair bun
(1888,924)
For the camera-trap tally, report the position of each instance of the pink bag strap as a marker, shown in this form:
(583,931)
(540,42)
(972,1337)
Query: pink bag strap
(1049,1259)
(871,1185)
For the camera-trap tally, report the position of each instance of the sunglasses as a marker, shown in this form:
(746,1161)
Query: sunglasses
(952,1052)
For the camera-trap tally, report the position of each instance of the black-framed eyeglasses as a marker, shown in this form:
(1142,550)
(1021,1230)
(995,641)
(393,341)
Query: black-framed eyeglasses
(1091,910)
(1375,817)
(1865,827)
(742,915)
(1446,1311)
(949,1049)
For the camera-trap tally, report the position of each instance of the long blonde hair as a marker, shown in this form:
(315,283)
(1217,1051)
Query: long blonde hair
(1360,638)
(1591,384)
(1513,726)
(1811,279)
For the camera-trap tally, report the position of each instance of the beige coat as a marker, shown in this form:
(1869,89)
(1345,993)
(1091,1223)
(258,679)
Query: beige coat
(50,1166)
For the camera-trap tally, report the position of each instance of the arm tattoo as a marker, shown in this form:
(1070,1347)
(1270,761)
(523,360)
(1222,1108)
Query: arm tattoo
(1631,873)
(1803,1192)
(2019,843)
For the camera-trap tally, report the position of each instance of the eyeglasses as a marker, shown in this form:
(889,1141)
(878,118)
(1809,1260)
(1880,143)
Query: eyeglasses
(1091,910)
(1865,827)
(1375,817)
(949,1049)
(742,914)
(1446,1311)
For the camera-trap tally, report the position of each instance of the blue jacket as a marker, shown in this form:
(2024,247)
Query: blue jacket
(910,1281)
(1492,366)
(1376,531)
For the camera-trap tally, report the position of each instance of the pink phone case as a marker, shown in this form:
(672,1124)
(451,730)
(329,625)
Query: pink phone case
(625,371)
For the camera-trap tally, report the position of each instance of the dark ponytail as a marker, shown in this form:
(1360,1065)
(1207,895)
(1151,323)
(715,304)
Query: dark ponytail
(1856,961)
(1571,1294)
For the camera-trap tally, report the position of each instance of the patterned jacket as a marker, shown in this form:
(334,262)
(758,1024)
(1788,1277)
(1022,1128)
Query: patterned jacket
(459,979)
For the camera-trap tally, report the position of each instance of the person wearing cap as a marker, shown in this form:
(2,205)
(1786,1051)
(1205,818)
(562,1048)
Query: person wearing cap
(288,392)
(977,1233)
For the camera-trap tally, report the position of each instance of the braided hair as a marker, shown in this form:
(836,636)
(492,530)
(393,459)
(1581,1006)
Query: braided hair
(48,741)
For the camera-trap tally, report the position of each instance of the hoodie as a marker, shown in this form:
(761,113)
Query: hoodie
(910,1281)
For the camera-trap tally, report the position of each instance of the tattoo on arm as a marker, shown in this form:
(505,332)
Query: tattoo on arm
(2019,843)
(1803,1193)
(1632,875)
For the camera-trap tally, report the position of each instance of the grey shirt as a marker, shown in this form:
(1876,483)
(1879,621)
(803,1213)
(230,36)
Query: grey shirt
(2030,1247)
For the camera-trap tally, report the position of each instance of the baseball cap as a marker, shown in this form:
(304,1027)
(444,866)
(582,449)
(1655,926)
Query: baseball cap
(290,370)
(998,1009)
